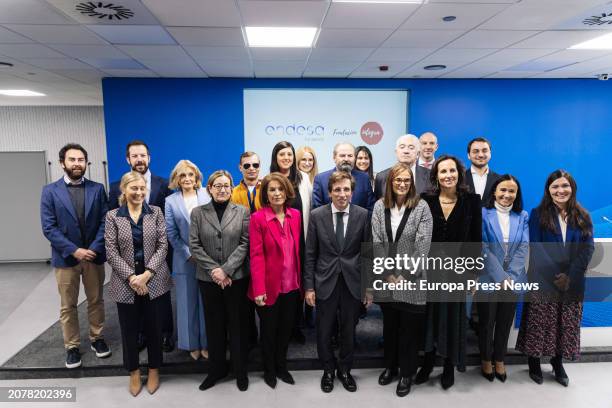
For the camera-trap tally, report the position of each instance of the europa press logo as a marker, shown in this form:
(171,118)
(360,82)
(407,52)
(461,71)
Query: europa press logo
(371,133)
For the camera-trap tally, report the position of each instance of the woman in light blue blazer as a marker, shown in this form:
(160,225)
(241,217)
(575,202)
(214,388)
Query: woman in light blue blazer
(187,179)
(505,236)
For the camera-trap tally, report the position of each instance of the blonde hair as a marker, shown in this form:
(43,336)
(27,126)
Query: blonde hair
(300,154)
(184,165)
(126,179)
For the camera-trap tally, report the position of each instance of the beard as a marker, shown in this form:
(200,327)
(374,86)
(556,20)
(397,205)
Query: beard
(75,173)
(146,167)
(345,166)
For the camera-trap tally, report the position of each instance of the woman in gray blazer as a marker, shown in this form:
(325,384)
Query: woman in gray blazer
(186,177)
(402,224)
(219,243)
(136,248)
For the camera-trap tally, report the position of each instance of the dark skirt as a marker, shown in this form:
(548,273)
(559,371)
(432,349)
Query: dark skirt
(550,329)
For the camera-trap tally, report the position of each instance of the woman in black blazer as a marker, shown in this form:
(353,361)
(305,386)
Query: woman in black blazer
(457,223)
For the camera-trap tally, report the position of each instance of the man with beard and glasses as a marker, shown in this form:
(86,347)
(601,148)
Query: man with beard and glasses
(72,212)
(344,157)
(139,158)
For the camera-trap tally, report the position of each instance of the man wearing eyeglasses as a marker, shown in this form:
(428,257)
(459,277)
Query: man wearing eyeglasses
(246,193)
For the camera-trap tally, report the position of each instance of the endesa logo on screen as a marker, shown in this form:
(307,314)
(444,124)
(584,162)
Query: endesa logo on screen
(372,133)
(295,130)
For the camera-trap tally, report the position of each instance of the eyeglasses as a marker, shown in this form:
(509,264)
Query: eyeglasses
(400,181)
(220,187)
(247,166)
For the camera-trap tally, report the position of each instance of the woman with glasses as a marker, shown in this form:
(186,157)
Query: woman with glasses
(219,243)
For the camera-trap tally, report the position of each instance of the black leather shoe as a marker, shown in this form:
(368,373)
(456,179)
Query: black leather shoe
(242,383)
(167,343)
(270,379)
(285,377)
(423,375)
(560,374)
(347,380)
(142,342)
(489,376)
(209,382)
(535,371)
(501,376)
(403,386)
(387,376)
(327,381)
(448,377)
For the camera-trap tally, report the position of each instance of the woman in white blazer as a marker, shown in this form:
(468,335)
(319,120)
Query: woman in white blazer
(505,236)
(187,179)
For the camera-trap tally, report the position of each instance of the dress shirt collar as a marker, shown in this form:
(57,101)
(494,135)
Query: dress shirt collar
(474,171)
(124,212)
(270,215)
(69,181)
(335,210)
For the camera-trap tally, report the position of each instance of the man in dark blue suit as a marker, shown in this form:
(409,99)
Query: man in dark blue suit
(72,213)
(138,157)
(344,157)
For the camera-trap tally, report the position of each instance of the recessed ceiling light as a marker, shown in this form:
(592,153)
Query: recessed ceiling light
(19,92)
(298,37)
(603,42)
(449,18)
(382,1)
(434,67)
(5,64)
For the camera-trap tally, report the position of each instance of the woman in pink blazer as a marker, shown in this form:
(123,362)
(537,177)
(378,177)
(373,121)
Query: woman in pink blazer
(275,234)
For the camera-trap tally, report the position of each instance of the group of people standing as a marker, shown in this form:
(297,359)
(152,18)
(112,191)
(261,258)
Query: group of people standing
(290,244)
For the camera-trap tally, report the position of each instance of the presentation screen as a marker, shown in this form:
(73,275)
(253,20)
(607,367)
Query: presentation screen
(322,118)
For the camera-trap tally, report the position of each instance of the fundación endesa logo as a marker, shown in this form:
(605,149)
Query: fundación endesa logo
(371,133)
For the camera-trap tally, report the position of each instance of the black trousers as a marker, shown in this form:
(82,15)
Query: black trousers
(495,322)
(226,310)
(339,313)
(147,312)
(276,323)
(404,332)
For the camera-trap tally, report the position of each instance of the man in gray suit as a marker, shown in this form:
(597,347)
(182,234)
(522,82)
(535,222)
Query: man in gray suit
(407,149)
(332,275)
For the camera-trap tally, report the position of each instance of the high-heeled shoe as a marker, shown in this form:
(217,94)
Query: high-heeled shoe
(448,376)
(153,380)
(425,371)
(500,375)
(195,354)
(135,382)
(535,371)
(204,354)
(560,374)
(488,375)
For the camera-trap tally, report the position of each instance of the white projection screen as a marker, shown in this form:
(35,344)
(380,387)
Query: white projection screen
(320,118)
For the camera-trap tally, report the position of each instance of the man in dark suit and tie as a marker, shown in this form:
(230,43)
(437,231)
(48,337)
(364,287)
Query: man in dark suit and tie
(480,177)
(72,213)
(138,157)
(407,148)
(332,276)
(344,158)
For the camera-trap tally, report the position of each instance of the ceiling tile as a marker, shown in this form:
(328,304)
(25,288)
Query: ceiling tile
(202,54)
(352,38)
(458,55)
(367,15)
(280,54)
(513,74)
(278,69)
(31,12)
(180,66)
(160,52)
(557,39)
(195,13)
(490,38)
(9,37)
(324,74)
(133,34)
(476,1)
(422,38)
(340,54)
(400,54)
(538,14)
(57,63)
(113,63)
(138,73)
(294,13)
(57,34)
(29,51)
(90,12)
(595,18)
(227,69)
(371,69)
(332,66)
(88,51)
(82,75)
(515,56)
(207,36)
(468,16)
(476,70)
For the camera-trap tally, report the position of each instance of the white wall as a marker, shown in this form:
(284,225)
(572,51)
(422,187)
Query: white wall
(48,128)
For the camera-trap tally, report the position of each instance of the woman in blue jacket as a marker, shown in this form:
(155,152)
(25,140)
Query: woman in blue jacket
(561,236)
(505,236)
(187,179)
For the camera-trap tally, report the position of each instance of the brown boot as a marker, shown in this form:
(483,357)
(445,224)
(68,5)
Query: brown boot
(135,383)
(153,380)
